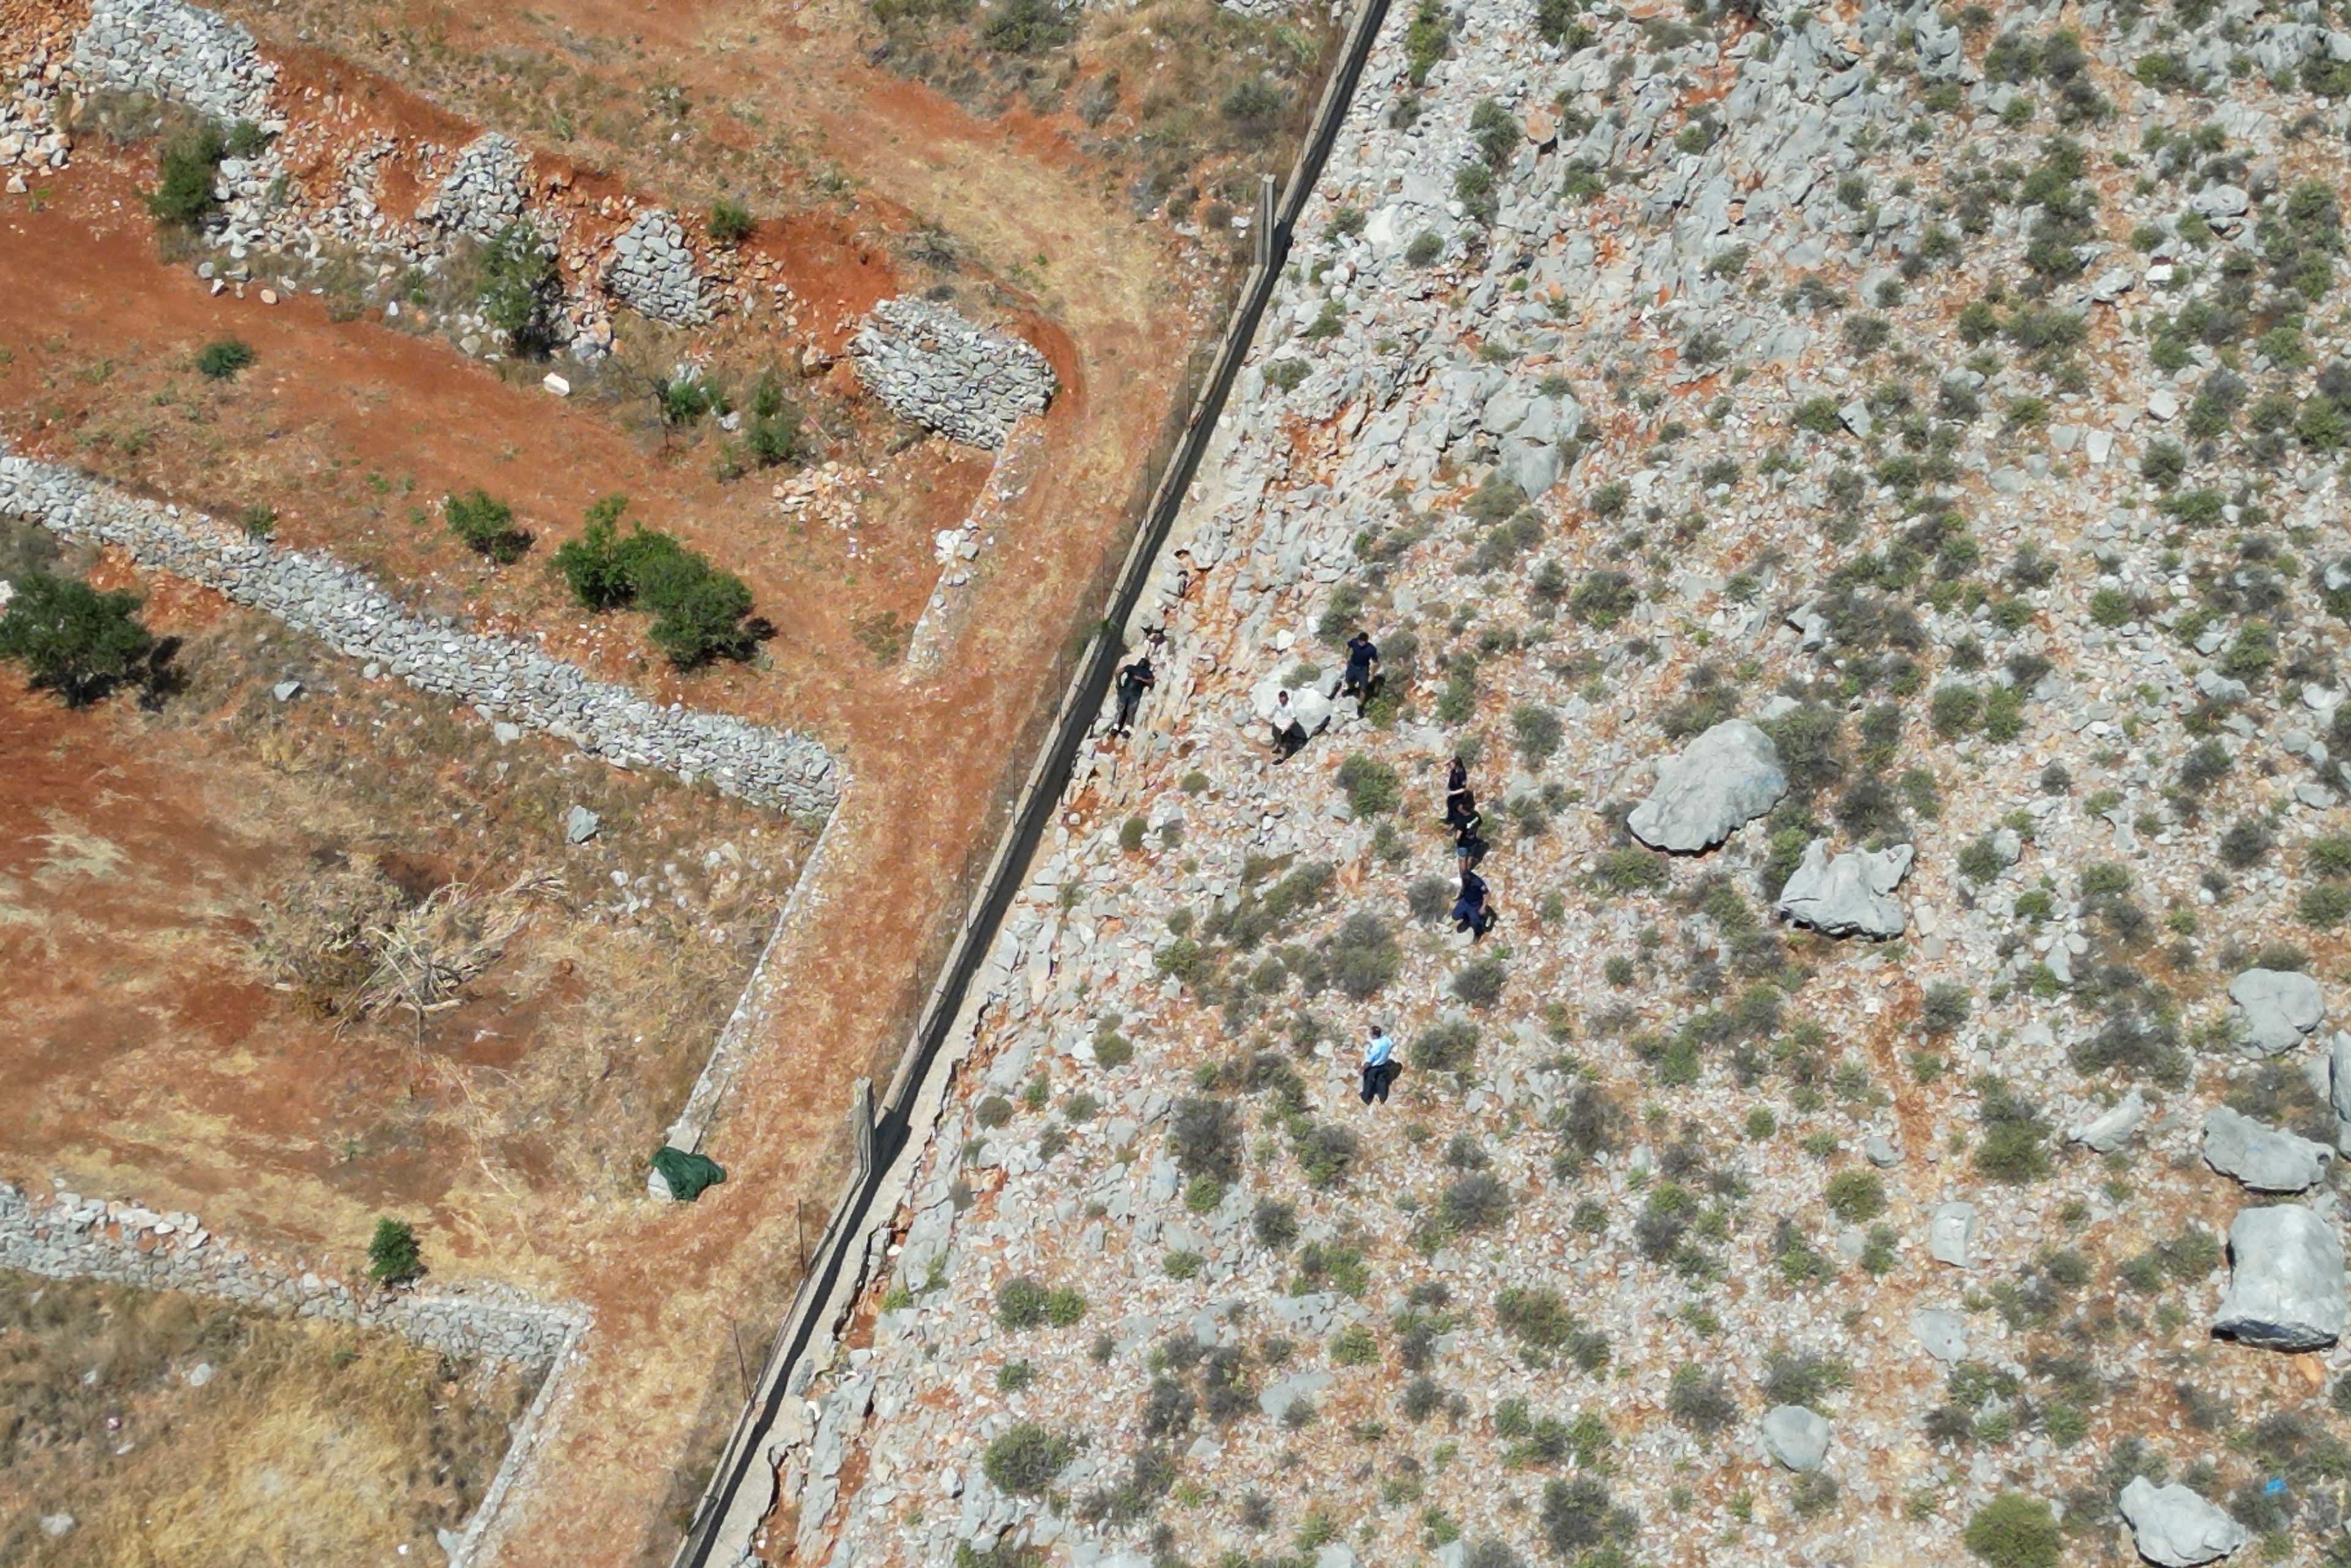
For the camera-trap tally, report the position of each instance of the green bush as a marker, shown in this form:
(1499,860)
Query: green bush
(1026,1458)
(1026,26)
(1206,1138)
(776,435)
(1856,1196)
(1535,1315)
(1480,985)
(185,168)
(1538,730)
(1629,870)
(393,1257)
(699,613)
(1819,415)
(2015,1143)
(486,525)
(1372,787)
(223,357)
(1450,1047)
(1424,248)
(1354,1346)
(731,222)
(1326,1151)
(1363,956)
(2013,1531)
(76,641)
(1020,1304)
(519,289)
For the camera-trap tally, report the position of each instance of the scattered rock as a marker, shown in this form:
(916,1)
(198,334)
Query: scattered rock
(2285,1281)
(2112,1129)
(286,691)
(933,367)
(1796,1436)
(2173,1526)
(1951,1234)
(581,824)
(1942,1331)
(1727,776)
(1848,896)
(58,1525)
(2261,1157)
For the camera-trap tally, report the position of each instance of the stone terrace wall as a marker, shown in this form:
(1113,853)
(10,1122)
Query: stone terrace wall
(358,617)
(933,367)
(75,1237)
(651,271)
(178,52)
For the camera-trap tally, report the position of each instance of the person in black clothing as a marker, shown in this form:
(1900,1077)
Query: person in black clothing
(1468,844)
(1470,911)
(1461,806)
(1458,776)
(1133,680)
(1362,668)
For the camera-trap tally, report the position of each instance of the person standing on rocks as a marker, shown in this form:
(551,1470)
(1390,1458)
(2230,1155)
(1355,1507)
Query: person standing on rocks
(1136,678)
(1380,1068)
(1459,802)
(1289,734)
(1470,911)
(1362,668)
(1468,841)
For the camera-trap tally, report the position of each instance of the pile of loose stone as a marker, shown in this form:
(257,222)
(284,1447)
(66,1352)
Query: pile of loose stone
(69,1236)
(939,371)
(1945,1109)
(651,271)
(178,52)
(500,676)
(485,191)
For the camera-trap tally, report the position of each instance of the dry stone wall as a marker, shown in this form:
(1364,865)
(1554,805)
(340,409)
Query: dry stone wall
(68,1236)
(179,52)
(933,367)
(485,189)
(651,271)
(358,617)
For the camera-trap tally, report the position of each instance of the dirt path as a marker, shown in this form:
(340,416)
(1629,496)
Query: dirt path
(935,757)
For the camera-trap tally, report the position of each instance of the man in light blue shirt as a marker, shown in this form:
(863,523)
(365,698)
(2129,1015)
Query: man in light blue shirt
(1380,1067)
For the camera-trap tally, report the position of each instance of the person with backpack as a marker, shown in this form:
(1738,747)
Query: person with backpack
(1469,842)
(1470,911)
(1380,1067)
(1362,668)
(1133,680)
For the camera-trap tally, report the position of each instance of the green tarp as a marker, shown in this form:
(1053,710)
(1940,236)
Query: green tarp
(687,1174)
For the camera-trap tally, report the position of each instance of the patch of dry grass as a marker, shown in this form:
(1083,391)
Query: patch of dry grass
(308,1443)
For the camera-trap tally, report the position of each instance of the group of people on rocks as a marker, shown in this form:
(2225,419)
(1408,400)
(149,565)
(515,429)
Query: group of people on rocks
(1471,912)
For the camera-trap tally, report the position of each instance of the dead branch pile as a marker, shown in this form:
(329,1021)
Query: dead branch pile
(424,956)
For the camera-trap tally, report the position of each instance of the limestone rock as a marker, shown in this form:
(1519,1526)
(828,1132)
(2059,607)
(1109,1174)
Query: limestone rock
(581,824)
(2173,1526)
(1942,1333)
(2285,1281)
(1727,775)
(2339,1067)
(938,370)
(2263,1158)
(1850,895)
(2111,1130)
(2274,1008)
(1796,1436)
(1951,1234)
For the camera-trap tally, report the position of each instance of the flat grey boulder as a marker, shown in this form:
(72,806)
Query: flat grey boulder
(2274,1008)
(2173,1526)
(1797,1438)
(1727,776)
(2261,1157)
(1850,895)
(2339,1083)
(2111,1130)
(1951,1234)
(2285,1281)
(1941,1332)
(581,824)
(1276,1397)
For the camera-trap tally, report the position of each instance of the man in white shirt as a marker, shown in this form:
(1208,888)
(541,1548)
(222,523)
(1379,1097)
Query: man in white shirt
(1380,1067)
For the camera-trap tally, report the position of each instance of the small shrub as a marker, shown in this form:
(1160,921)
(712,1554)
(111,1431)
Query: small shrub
(1326,1152)
(1025,1459)
(486,525)
(1354,1346)
(1701,1401)
(1206,1137)
(1476,1201)
(1856,1196)
(2013,1531)
(1020,1304)
(1947,1004)
(185,168)
(1274,1224)
(730,222)
(1480,985)
(520,288)
(1363,956)
(393,1257)
(223,357)
(1449,1047)
(1372,787)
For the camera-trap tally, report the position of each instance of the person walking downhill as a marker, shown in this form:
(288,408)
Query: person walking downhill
(1289,734)
(1459,802)
(1380,1067)
(1470,911)
(1133,680)
(1362,668)
(1468,841)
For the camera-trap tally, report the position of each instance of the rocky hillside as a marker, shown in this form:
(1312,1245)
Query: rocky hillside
(1861,487)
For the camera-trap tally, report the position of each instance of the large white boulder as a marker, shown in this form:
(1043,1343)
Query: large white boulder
(2285,1281)
(2274,1008)
(2173,1526)
(1796,1436)
(1727,776)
